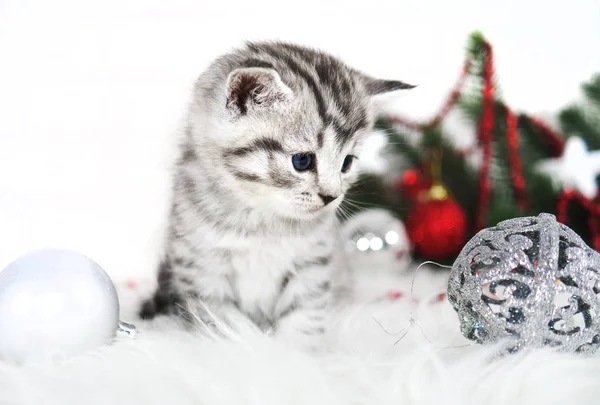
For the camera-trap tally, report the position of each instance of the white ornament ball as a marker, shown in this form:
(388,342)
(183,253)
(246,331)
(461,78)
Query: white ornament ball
(54,304)
(377,241)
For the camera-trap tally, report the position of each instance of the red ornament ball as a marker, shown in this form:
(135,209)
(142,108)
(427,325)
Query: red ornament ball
(437,227)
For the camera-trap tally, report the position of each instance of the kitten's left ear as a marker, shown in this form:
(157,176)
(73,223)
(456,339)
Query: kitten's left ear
(254,88)
(379,86)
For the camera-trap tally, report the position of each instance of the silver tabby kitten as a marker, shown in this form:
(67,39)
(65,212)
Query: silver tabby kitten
(272,134)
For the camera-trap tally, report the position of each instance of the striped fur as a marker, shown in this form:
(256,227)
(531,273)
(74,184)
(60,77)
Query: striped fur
(249,235)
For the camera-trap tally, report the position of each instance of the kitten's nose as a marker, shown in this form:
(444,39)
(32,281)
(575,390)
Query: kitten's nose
(327,198)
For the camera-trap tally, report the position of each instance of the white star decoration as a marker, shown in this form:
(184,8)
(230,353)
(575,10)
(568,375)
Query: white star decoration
(577,167)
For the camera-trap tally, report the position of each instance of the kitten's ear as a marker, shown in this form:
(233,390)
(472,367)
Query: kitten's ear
(249,88)
(379,86)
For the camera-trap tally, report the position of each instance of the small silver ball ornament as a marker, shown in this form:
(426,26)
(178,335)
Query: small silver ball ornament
(376,240)
(530,282)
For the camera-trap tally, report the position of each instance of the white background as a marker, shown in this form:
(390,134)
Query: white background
(91,92)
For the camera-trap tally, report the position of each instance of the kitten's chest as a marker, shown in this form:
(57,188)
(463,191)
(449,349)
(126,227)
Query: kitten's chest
(259,270)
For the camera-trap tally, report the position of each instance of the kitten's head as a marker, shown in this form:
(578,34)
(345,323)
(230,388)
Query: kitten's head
(282,126)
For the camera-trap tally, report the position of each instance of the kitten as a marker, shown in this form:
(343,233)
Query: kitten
(268,153)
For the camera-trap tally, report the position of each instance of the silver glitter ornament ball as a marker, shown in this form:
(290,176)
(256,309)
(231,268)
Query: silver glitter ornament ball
(529,282)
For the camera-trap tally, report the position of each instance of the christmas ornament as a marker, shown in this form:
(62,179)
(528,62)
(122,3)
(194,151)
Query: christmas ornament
(56,303)
(530,282)
(577,167)
(437,225)
(376,239)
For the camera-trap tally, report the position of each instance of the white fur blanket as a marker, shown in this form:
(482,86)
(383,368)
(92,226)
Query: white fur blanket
(164,365)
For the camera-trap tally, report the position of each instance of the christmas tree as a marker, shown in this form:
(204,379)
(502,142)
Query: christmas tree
(519,167)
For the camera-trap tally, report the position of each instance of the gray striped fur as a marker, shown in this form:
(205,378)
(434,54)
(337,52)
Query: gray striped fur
(249,235)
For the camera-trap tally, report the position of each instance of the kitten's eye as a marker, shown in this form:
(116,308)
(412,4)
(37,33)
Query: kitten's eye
(303,161)
(347,163)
